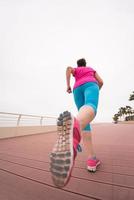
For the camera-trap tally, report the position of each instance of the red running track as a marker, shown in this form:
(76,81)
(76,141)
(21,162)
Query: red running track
(25,174)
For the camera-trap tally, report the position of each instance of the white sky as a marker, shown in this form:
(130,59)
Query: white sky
(40,38)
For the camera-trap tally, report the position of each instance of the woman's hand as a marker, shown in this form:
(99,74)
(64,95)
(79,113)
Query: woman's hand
(69,90)
(69,71)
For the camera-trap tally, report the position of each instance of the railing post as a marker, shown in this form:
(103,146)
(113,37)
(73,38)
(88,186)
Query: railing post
(18,121)
(41,119)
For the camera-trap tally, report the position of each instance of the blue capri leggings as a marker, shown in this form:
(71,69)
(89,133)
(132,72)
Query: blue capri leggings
(87,94)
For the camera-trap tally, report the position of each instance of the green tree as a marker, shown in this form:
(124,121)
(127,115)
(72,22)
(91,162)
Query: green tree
(131,98)
(129,110)
(126,112)
(123,111)
(115,118)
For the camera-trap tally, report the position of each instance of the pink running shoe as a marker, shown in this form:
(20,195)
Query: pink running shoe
(92,164)
(65,150)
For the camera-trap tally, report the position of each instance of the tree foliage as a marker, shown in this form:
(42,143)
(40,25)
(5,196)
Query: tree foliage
(127,112)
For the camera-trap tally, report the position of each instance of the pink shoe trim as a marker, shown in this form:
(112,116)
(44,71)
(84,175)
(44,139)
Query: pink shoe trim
(93,162)
(76,133)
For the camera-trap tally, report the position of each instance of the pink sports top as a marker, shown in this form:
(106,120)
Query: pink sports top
(83,75)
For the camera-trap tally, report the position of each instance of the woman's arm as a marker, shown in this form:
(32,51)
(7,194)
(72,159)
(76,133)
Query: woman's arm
(69,71)
(99,79)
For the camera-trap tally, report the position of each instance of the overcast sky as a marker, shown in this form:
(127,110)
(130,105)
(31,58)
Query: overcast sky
(40,38)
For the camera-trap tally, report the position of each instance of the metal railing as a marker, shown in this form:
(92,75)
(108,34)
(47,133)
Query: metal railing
(15,120)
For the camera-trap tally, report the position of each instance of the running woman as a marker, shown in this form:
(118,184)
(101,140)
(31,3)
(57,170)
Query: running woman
(71,129)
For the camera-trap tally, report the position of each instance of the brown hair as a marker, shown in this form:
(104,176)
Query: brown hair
(81,62)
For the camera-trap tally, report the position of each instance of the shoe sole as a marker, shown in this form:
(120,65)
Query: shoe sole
(93,169)
(62,156)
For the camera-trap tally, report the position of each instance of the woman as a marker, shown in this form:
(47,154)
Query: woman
(71,129)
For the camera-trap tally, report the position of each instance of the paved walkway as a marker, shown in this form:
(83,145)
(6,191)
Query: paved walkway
(25,175)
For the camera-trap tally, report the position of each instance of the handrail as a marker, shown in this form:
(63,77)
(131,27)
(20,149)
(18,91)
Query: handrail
(27,115)
(20,116)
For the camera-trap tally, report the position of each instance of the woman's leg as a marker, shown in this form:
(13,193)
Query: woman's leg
(88,146)
(85,115)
